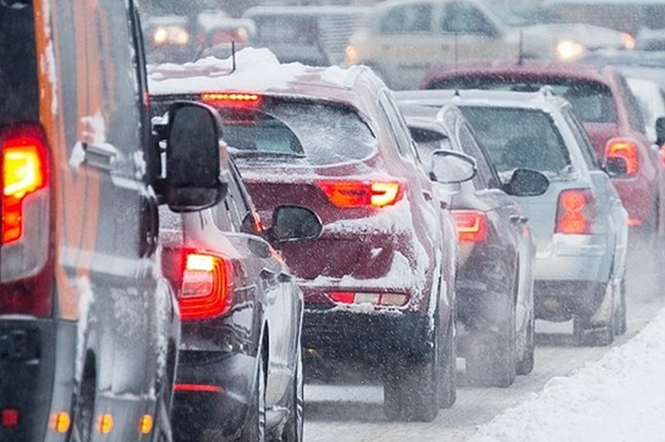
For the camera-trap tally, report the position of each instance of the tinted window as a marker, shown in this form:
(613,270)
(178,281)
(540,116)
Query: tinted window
(592,101)
(319,133)
(407,19)
(465,18)
(519,138)
(18,69)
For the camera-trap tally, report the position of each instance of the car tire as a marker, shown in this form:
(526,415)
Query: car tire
(493,362)
(590,335)
(293,428)
(448,394)
(254,429)
(527,360)
(162,421)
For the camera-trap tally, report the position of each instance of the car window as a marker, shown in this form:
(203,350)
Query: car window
(465,18)
(588,152)
(399,128)
(485,176)
(519,138)
(407,19)
(318,133)
(18,67)
(635,116)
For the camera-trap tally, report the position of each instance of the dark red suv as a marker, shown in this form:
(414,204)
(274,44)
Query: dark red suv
(611,116)
(378,282)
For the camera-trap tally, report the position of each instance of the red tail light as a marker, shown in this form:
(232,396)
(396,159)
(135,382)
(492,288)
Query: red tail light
(203,282)
(198,388)
(347,194)
(231,98)
(26,279)
(379,299)
(575,212)
(471,225)
(626,149)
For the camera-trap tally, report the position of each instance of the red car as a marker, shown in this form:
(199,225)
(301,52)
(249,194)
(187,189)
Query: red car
(611,116)
(379,281)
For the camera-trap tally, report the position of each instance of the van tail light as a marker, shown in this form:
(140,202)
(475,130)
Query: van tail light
(471,225)
(242,99)
(203,282)
(348,194)
(26,276)
(575,211)
(626,149)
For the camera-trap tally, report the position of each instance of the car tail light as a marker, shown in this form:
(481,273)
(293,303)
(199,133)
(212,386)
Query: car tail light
(626,149)
(198,388)
(9,417)
(348,194)
(26,277)
(471,225)
(575,212)
(231,98)
(203,282)
(381,299)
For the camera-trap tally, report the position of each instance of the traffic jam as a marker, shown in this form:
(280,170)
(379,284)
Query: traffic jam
(230,221)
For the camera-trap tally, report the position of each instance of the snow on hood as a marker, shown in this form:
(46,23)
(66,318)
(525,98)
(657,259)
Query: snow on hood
(618,398)
(256,70)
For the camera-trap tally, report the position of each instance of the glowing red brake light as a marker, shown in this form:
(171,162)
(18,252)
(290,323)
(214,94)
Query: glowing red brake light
(231,98)
(347,194)
(626,149)
(471,225)
(575,212)
(23,171)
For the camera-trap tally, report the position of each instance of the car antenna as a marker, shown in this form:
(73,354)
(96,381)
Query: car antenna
(456,61)
(233,56)
(520,49)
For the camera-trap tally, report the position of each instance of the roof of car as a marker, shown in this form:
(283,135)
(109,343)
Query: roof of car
(259,71)
(526,68)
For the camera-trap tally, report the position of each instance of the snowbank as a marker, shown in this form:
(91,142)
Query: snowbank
(621,397)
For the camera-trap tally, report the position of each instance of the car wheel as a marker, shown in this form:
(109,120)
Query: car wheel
(448,394)
(492,363)
(411,388)
(620,316)
(526,362)
(162,422)
(293,428)
(255,426)
(85,402)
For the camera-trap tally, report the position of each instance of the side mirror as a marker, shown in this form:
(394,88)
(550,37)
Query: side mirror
(192,179)
(525,182)
(615,167)
(294,223)
(450,167)
(660,131)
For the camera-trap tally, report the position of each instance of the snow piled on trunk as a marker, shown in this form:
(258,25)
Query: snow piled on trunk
(619,398)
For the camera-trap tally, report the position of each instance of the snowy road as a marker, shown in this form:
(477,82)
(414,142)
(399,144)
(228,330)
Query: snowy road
(348,413)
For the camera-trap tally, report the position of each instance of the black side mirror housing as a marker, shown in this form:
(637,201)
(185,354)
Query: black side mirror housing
(294,223)
(660,131)
(192,181)
(526,182)
(615,167)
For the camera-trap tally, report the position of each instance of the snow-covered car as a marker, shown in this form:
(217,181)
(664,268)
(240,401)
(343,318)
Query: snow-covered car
(240,357)
(497,253)
(401,39)
(580,224)
(379,281)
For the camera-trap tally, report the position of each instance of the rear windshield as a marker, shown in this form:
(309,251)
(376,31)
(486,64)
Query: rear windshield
(592,101)
(519,138)
(18,68)
(319,133)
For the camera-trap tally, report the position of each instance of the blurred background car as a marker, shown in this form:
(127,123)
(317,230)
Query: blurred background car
(580,224)
(401,39)
(497,252)
(603,102)
(240,358)
(379,281)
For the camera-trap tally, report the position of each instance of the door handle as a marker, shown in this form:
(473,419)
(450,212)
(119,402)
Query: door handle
(517,219)
(427,195)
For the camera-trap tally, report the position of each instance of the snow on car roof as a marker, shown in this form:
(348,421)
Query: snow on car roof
(257,70)
(534,100)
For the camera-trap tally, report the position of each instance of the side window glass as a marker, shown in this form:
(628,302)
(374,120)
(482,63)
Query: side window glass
(399,128)
(465,18)
(484,176)
(408,19)
(588,152)
(634,112)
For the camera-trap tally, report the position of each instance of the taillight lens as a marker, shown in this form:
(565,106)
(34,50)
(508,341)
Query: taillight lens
(575,212)
(377,299)
(203,282)
(26,277)
(471,225)
(626,149)
(348,194)
(231,98)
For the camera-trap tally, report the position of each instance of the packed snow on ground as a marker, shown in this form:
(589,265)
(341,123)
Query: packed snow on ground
(619,398)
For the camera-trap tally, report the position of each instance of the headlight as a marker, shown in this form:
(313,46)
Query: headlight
(567,50)
(628,41)
(170,35)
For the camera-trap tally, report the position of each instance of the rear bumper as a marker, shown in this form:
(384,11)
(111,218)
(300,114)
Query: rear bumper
(574,258)
(36,375)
